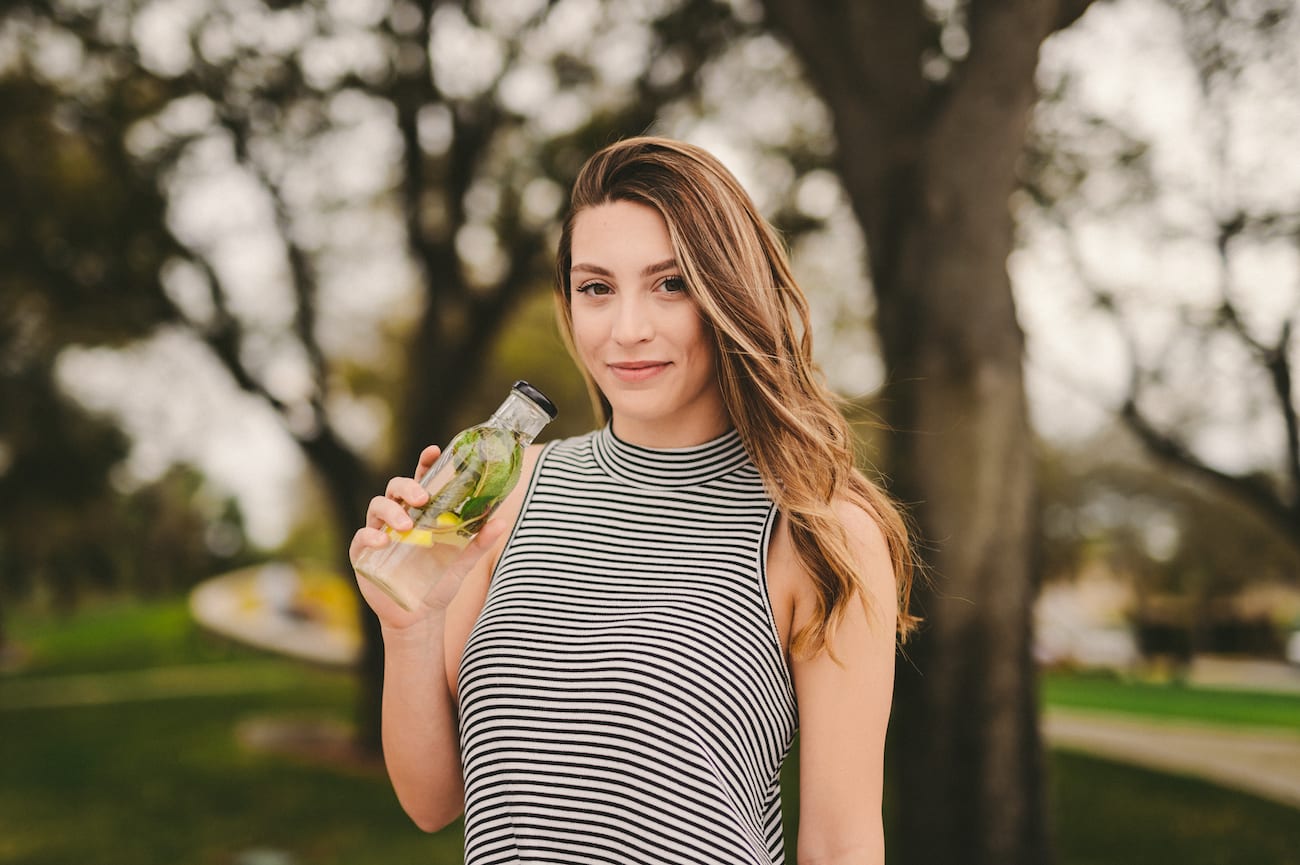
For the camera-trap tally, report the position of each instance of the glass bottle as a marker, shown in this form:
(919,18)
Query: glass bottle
(469,480)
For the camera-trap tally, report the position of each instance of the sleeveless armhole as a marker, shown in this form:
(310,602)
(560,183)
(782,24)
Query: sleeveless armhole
(523,508)
(769,527)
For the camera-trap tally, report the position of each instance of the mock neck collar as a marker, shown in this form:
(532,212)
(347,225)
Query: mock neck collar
(668,467)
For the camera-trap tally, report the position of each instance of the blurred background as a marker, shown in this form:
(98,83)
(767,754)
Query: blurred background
(255,254)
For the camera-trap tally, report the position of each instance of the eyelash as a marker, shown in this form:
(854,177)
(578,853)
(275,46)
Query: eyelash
(677,284)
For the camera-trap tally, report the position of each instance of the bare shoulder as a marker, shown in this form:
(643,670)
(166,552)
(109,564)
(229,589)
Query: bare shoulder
(870,550)
(793,590)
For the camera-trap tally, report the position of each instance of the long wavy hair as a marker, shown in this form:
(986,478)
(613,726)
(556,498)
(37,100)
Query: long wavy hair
(737,270)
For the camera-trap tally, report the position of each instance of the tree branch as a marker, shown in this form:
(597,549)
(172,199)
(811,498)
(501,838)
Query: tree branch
(1252,490)
(1274,359)
(302,277)
(224,336)
(1069,11)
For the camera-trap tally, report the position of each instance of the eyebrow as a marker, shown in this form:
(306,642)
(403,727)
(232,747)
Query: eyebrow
(651,270)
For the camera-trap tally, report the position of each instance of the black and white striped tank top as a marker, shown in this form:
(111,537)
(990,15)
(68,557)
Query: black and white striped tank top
(623,695)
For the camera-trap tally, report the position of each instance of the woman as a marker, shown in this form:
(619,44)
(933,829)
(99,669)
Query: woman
(616,668)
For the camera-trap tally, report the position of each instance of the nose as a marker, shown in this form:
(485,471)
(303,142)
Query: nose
(632,322)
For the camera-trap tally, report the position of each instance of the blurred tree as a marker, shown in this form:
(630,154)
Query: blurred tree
(77,224)
(343,202)
(1205,323)
(931,103)
(1202,568)
(1172,534)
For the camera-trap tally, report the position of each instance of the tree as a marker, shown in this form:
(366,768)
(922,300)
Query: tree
(931,105)
(76,224)
(420,149)
(1204,322)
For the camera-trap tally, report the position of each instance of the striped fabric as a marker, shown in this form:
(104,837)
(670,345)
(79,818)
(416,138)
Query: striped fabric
(624,698)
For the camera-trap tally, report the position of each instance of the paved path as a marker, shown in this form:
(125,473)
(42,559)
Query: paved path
(156,683)
(1262,761)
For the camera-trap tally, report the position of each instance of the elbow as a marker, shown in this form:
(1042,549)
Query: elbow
(854,849)
(859,855)
(430,825)
(430,820)
(433,815)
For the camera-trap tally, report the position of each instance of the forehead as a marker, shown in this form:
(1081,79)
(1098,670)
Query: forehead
(620,230)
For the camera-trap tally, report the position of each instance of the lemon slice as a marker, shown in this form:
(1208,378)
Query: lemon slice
(420,537)
(444,525)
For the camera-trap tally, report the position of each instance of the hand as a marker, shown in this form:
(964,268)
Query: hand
(390,510)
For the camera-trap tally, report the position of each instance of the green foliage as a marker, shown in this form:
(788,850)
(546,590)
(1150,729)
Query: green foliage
(1102,503)
(153,541)
(83,238)
(530,348)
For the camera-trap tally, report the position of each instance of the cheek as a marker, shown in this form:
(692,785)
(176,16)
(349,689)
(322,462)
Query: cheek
(698,340)
(586,333)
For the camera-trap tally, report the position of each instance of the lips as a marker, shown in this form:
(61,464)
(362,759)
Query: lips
(637,370)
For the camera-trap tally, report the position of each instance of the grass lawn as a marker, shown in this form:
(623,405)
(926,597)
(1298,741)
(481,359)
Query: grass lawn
(158,775)
(1110,814)
(1215,706)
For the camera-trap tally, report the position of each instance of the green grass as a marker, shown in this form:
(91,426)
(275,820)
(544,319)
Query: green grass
(157,775)
(118,635)
(1171,701)
(167,781)
(1111,814)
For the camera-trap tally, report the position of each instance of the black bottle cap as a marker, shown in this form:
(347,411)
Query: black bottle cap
(536,396)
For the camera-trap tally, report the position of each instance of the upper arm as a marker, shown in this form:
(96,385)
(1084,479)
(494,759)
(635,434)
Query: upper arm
(844,709)
(464,609)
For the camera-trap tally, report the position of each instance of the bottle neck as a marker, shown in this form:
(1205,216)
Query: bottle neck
(522,415)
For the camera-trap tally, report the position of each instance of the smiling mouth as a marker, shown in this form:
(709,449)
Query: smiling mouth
(637,370)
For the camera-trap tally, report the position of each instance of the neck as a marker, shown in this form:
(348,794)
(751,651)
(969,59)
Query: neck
(662,435)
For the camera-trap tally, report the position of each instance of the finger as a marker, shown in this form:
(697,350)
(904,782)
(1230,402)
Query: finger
(364,539)
(428,457)
(383,511)
(406,490)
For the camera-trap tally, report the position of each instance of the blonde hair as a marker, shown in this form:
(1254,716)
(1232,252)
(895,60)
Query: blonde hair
(737,271)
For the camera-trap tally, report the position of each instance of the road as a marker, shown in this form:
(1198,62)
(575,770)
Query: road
(1262,761)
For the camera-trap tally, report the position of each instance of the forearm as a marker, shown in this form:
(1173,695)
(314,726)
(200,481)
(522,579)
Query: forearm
(421,747)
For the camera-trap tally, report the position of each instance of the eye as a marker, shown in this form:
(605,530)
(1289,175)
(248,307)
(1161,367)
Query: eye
(594,289)
(673,285)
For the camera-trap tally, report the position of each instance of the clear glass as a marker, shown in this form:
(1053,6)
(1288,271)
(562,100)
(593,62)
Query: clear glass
(466,485)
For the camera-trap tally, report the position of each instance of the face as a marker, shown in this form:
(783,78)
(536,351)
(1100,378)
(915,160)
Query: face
(637,330)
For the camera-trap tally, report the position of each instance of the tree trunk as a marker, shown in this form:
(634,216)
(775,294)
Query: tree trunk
(966,745)
(349,486)
(929,169)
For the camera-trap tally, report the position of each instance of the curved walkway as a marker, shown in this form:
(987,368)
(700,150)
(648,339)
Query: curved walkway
(216,679)
(1261,761)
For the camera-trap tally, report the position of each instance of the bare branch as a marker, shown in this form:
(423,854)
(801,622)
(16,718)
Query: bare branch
(1250,489)
(1279,367)
(224,336)
(1069,11)
(1274,359)
(1282,512)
